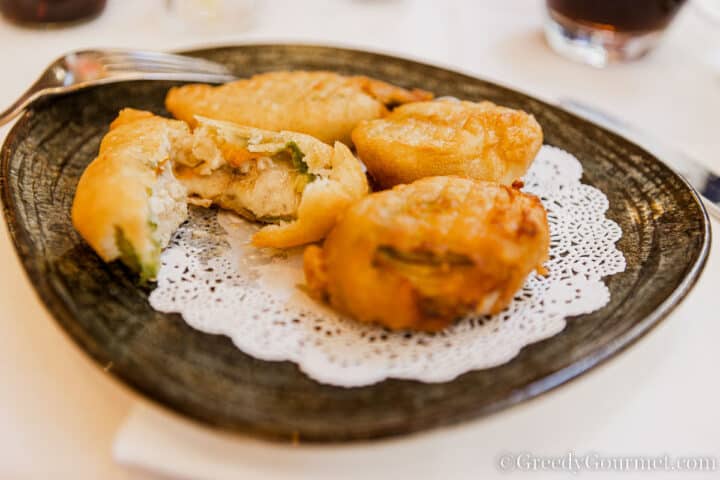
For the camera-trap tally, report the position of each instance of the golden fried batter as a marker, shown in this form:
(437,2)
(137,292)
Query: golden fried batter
(481,141)
(292,182)
(127,203)
(322,104)
(421,255)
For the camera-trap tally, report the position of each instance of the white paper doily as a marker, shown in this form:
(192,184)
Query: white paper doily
(221,284)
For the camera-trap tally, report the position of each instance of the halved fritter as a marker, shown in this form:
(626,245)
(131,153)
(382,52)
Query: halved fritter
(422,255)
(127,203)
(481,141)
(322,104)
(293,182)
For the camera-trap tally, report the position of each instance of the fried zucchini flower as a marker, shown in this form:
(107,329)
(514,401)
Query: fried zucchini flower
(292,182)
(325,105)
(127,203)
(481,141)
(422,255)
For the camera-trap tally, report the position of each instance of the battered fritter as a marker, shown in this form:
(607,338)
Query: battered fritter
(421,255)
(322,104)
(481,141)
(127,203)
(293,183)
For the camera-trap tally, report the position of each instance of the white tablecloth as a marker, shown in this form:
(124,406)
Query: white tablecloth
(59,413)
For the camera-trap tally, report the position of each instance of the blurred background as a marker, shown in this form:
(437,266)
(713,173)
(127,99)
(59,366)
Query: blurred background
(500,40)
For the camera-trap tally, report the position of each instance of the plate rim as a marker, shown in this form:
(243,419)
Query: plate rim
(55,306)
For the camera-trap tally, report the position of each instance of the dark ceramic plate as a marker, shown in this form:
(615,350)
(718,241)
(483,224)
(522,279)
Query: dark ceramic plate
(665,241)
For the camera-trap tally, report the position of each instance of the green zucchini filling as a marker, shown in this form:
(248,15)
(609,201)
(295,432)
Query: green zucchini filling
(130,257)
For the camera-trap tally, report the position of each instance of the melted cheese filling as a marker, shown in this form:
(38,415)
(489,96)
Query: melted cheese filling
(167,205)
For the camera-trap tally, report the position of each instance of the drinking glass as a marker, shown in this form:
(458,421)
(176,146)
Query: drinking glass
(44,12)
(599,32)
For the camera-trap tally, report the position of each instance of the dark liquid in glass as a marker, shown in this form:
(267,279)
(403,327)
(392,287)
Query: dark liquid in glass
(50,11)
(617,15)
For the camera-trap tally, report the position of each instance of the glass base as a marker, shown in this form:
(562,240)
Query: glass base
(595,46)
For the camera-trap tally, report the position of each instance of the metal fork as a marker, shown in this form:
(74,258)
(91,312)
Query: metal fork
(86,68)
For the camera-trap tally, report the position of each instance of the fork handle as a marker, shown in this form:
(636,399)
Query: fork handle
(41,87)
(46,84)
(20,104)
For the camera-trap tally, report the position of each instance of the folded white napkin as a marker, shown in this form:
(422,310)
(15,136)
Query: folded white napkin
(157,441)
(162,443)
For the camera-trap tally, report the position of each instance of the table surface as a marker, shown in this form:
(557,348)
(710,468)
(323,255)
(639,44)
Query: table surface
(59,412)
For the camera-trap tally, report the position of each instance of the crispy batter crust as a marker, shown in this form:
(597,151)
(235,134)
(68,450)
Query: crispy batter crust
(421,255)
(322,104)
(481,141)
(113,192)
